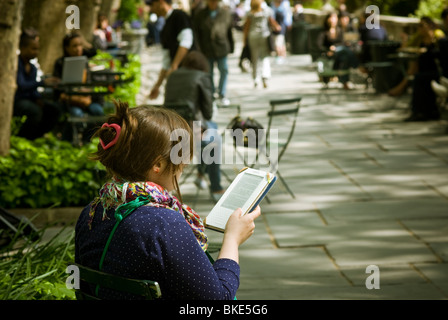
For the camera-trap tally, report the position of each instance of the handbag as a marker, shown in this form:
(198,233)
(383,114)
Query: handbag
(247,135)
(245,54)
(271,42)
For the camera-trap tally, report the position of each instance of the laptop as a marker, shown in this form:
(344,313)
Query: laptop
(74,69)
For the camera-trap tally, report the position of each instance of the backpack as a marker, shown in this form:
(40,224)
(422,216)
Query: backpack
(250,123)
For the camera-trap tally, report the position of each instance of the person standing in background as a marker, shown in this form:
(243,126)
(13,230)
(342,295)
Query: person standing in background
(283,16)
(213,30)
(191,85)
(176,38)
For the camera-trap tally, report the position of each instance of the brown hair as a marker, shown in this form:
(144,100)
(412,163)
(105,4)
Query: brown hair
(68,39)
(144,140)
(195,60)
(27,36)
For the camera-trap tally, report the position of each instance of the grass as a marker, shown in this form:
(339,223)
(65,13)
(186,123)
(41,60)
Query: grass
(34,268)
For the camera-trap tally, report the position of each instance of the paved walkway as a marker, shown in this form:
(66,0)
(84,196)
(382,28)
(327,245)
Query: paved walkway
(370,190)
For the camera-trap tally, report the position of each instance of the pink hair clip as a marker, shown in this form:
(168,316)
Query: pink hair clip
(114,141)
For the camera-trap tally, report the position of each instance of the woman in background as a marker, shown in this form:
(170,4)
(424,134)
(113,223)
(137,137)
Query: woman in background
(256,30)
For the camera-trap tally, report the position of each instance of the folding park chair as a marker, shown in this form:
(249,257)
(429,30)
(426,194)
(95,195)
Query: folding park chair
(279,109)
(282,108)
(325,73)
(12,225)
(148,290)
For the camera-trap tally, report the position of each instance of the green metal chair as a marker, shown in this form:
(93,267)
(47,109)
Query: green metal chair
(149,290)
(282,118)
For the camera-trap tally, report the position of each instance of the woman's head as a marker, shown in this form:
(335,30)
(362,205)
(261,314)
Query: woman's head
(256,4)
(148,147)
(426,24)
(331,20)
(29,44)
(102,22)
(72,45)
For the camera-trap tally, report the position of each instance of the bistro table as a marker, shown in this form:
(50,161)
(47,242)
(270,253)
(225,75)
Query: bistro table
(98,85)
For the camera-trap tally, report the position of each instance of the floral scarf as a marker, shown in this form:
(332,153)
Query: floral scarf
(117,192)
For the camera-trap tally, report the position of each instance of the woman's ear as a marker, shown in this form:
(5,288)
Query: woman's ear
(159,167)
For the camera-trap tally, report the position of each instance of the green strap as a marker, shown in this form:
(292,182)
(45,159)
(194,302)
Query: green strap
(119,216)
(212,261)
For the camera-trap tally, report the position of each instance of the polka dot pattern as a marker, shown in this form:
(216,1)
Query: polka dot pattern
(155,244)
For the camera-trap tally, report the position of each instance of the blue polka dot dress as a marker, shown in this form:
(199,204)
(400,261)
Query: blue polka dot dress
(154,244)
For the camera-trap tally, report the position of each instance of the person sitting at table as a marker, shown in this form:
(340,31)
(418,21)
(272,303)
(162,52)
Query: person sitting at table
(331,43)
(104,37)
(345,22)
(191,84)
(162,239)
(42,115)
(78,105)
(418,40)
(423,102)
(366,35)
(444,18)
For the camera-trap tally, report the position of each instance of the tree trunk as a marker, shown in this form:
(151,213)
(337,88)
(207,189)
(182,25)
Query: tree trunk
(10,22)
(49,17)
(88,11)
(107,7)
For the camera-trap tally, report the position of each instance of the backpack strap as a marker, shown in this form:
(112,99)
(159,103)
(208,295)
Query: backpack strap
(120,216)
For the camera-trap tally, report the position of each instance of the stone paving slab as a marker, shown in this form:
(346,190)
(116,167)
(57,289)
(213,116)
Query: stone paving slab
(384,210)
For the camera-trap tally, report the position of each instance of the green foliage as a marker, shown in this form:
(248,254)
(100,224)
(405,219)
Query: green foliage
(48,172)
(128,10)
(35,270)
(431,8)
(126,92)
(317,4)
(401,8)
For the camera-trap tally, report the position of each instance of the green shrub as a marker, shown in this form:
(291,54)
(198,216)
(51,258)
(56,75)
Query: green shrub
(35,270)
(132,69)
(431,8)
(48,172)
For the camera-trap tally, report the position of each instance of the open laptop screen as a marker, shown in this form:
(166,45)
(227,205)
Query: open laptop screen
(73,70)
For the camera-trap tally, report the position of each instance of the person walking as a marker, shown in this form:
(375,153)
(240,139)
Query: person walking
(176,38)
(191,85)
(283,16)
(256,30)
(213,30)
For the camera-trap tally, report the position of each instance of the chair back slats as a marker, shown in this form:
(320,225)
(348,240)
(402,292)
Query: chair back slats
(285,101)
(276,111)
(145,288)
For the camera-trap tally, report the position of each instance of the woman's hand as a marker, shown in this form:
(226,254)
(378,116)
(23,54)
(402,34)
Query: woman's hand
(238,229)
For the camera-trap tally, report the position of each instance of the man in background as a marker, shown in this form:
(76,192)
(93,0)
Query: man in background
(213,31)
(176,39)
(41,115)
